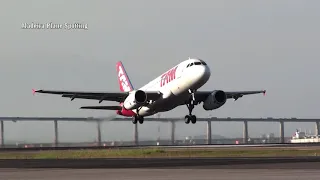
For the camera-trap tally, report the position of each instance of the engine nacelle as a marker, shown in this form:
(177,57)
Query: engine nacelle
(135,99)
(215,100)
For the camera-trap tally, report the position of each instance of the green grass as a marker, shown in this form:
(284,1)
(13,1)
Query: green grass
(156,152)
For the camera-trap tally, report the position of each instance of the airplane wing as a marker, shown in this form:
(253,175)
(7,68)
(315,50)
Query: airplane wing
(102,107)
(238,94)
(202,95)
(101,96)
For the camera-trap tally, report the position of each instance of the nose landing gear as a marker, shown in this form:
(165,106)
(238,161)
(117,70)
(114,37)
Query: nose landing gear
(190,106)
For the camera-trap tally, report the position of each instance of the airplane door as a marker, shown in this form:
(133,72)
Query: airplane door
(176,86)
(179,74)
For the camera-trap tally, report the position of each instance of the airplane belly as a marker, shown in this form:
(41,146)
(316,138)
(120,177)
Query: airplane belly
(167,102)
(146,111)
(170,103)
(174,94)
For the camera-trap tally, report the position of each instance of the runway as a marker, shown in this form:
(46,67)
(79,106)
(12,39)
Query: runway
(238,168)
(193,162)
(291,145)
(160,174)
(163,168)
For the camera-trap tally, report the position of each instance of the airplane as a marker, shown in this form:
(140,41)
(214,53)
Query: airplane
(177,86)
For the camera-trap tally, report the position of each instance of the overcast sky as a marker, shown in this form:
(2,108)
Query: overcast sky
(249,45)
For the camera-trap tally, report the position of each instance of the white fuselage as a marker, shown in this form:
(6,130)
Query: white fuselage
(190,74)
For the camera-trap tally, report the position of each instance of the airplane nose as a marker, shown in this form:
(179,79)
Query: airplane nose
(207,73)
(203,74)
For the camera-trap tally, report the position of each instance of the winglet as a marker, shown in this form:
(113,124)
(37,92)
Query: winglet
(33,91)
(264,92)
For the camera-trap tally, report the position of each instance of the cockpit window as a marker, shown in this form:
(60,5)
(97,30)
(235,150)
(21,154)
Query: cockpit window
(196,63)
(202,62)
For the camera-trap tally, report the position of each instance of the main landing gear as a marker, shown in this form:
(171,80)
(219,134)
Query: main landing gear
(190,106)
(190,117)
(137,118)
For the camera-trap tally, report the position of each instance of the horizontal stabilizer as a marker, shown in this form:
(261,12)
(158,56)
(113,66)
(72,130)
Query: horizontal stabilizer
(102,107)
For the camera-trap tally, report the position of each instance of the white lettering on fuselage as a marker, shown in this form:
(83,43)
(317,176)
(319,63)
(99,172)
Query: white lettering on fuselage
(123,80)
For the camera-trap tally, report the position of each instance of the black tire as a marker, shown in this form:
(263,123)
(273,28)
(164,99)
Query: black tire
(187,119)
(134,120)
(141,119)
(193,119)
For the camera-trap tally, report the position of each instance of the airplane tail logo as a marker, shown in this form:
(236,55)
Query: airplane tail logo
(123,79)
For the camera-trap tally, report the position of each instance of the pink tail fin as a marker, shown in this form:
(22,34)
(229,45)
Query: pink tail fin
(123,79)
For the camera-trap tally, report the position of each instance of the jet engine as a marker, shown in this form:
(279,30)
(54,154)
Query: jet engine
(135,99)
(215,100)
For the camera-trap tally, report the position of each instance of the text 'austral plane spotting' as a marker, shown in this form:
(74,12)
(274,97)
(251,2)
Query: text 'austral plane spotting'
(178,86)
